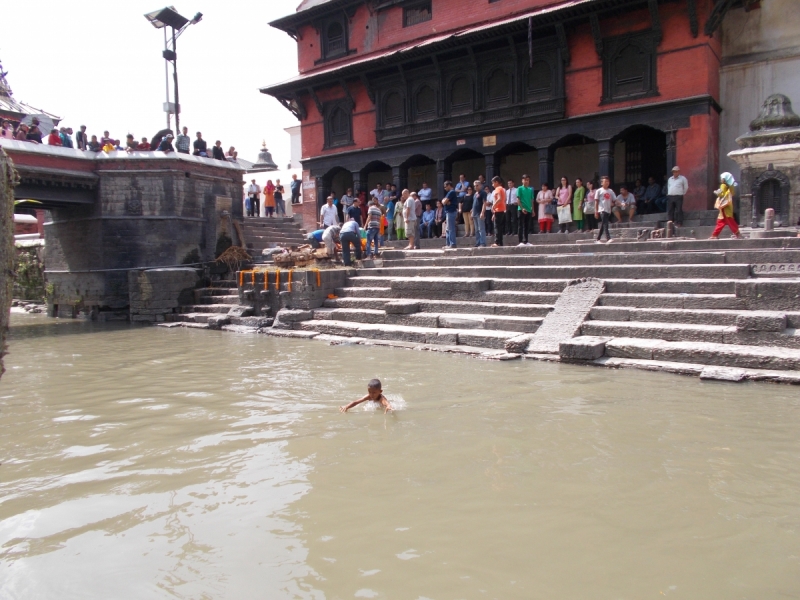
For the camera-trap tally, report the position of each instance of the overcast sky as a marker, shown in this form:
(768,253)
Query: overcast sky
(98,63)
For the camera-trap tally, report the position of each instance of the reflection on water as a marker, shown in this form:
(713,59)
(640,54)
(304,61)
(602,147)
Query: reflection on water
(145,462)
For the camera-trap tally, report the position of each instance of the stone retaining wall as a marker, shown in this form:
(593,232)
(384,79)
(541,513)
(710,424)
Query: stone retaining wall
(158,292)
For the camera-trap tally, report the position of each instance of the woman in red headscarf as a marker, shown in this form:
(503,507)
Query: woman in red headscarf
(269,198)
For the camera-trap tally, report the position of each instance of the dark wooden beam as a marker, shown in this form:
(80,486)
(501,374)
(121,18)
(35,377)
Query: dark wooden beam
(596,34)
(343,83)
(561,34)
(653,6)
(368,87)
(693,26)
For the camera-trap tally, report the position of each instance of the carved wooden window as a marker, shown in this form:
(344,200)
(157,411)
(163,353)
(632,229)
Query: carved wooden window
(461,94)
(498,86)
(334,38)
(425,102)
(417,13)
(629,67)
(540,80)
(338,124)
(393,109)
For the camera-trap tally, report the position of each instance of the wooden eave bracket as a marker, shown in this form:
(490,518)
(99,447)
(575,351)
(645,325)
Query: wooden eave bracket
(315,98)
(343,83)
(368,87)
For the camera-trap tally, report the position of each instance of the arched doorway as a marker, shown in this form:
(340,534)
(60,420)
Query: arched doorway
(466,161)
(771,190)
(374,173)
(575,156)
(517,159)
(336,181)
(417,170)
(640,152)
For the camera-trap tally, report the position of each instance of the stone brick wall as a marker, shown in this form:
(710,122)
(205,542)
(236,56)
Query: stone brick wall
(158,292)
(306,290)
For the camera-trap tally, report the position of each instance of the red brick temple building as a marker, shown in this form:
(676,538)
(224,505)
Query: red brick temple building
(407,91)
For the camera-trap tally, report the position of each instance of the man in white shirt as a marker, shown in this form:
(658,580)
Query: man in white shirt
(625,203)
(605,201)
(254,193)
(425,193)
(410,217)
(512,209)
(677,186)
(328,215)
(379,193)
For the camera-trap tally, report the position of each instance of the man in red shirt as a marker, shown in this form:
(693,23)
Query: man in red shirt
(498,211)
(54,139)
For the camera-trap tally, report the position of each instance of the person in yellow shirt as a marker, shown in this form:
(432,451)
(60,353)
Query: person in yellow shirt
(724,204)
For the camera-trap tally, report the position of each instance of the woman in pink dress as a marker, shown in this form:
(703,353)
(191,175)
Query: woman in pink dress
(564,195)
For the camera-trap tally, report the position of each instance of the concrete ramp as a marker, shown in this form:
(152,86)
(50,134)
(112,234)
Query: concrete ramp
(564,322)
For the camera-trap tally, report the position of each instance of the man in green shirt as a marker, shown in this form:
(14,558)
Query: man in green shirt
(525,205)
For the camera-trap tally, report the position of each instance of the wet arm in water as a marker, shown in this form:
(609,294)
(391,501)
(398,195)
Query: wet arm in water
(353,403)
(385,404)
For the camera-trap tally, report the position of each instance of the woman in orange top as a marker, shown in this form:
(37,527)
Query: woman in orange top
(269,198)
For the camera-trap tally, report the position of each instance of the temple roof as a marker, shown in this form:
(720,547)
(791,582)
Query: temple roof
(10,107)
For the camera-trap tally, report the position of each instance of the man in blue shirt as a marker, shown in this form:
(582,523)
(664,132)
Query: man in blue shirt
(427,222)
(349,234)
(390,217)
(450,203)
(354,212)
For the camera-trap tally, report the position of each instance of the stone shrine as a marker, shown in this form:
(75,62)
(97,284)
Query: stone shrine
(770,162)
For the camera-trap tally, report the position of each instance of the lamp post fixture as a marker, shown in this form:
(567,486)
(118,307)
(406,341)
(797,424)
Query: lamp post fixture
(161,19)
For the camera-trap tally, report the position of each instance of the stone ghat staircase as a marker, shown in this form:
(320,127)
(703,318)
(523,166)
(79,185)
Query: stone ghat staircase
(681,306)
(263,232)
(216,307)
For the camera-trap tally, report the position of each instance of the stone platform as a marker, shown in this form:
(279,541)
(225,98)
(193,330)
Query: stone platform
(725,309)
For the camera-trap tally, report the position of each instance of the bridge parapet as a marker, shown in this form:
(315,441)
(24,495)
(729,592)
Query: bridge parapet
(112,212)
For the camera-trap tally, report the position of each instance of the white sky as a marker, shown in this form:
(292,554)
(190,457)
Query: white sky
(98,63)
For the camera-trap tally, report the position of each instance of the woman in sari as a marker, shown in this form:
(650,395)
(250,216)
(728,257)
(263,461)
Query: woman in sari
(269,198)
(399,221)
(577,203)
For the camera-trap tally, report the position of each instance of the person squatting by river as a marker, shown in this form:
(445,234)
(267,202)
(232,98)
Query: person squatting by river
(374,393)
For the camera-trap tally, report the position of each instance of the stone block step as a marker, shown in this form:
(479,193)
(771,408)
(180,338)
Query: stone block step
(673,332)
(419,335)
(207,292)
(670,286)
(682,301)
(364,292)
(667,315)
(193,317)
(433,319)
(690,271)
(510,260)
(231,299)
(705,353)
(703,371)
(448,306)
(206,308)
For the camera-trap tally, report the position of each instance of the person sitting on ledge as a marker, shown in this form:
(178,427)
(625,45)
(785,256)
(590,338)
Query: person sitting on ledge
(374,393)
(165,145)
(624,204)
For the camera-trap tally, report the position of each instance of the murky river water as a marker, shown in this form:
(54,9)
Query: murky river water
(153,463)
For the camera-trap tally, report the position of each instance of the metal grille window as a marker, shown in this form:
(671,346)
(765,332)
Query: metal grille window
(417,13)
(498,86)
(633,161)
(334,38)
(540,80)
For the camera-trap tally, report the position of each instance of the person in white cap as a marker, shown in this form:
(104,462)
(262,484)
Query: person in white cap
(677,186)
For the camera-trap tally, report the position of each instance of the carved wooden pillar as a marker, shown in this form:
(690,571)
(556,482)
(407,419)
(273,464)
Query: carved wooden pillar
(492,166)
(441,177)
(400,178)
(606,151)
(546,166)
(357,183)
(672,151)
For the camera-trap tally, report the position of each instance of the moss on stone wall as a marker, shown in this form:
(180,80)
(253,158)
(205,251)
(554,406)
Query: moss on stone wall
(29,269)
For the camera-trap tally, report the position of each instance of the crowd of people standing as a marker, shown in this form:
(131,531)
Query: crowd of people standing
(164,141)
(274,203)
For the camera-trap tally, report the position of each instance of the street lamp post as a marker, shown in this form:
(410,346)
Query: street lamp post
(161,19)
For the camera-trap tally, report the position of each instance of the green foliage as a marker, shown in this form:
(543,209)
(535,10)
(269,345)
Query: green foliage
(29,275)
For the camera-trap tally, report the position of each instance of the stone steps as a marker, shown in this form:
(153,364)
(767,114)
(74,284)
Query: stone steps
(432,319)
(447,306)
(679,301)
(705,353)
(419,335)
(206,308)
(689,332)
(667,315)
(233,299)
(687,271)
